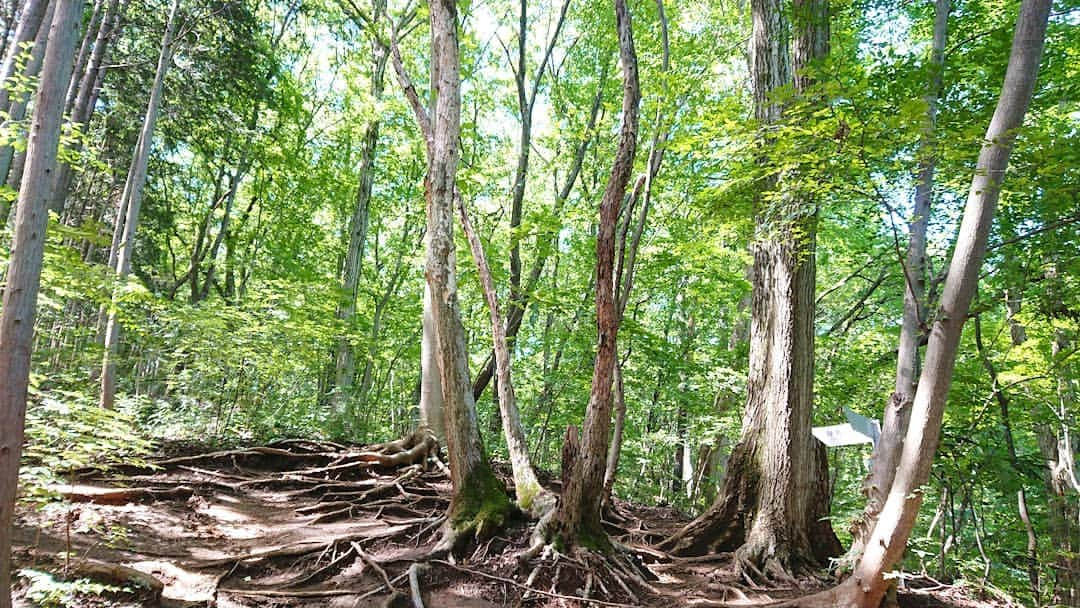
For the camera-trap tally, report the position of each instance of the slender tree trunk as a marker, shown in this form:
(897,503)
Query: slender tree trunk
(898,410)
(526,485)
(344,359)
(1014,460)
(479,504)
(11,172)
(1059,476)
(30,22)
(867,585)
(582,496)
(775,498)
(24,268)
(83,92)
(133,194)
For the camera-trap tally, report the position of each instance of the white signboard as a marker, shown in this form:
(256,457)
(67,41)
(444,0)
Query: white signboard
(840,434)
(859,429)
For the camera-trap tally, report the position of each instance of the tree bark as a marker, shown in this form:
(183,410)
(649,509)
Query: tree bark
(582,498)
(24,269)
(11,165)
(775,498)
(898,409)
(83,94)
(526,485)
(479,503)
(31,19)
(133,194)
(867,585)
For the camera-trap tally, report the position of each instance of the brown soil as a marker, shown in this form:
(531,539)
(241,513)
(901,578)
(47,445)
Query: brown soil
(307,524)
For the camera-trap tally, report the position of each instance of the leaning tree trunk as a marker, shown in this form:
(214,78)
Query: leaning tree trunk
(31,19)
(867,585)
(24,268)
(526,485)
(898,409)
(582,496)
(83,94)
(775,497)
(133,194)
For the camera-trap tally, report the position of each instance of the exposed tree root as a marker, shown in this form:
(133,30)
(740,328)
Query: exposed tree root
(116,574)
(118,496)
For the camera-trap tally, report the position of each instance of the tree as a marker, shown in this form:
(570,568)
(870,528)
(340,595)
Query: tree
(479,504)
(866,586)
(775,496)
(898,409)
(583,480)
(24,270)
(130,204)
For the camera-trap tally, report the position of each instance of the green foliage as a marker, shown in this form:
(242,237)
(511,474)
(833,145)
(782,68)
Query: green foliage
(45,590)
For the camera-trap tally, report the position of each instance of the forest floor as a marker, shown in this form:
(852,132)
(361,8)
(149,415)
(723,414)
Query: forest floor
(302,523)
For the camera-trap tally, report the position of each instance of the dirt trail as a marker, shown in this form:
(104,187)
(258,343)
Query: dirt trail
(309,524)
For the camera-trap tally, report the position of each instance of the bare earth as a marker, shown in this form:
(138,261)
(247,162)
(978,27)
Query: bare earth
(310,524)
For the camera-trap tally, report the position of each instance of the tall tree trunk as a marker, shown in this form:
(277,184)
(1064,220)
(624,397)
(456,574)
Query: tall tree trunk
(776,495)
(11,164)
(24,268)
(898,409)
(344,359)
(1059,476)
(479,504)
(627,252)
(867,585)
(83,94)
(582,496)
(526,485)
(31,19)
(133,194)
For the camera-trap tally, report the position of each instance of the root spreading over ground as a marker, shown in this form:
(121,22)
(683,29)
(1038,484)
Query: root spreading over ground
(309,523)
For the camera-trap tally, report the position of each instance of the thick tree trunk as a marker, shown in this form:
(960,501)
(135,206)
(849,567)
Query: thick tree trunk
(479,503)
(133,194)
(867,585)
(582,498)
(24,268)
(775,498)
(898,409)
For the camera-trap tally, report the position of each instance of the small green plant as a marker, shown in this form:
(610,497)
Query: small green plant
(46,590)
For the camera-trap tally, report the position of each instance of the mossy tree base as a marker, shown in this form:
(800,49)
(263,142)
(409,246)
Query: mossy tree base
(478,510)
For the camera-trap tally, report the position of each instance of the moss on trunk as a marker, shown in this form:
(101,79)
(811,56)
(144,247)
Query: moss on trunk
(482,503)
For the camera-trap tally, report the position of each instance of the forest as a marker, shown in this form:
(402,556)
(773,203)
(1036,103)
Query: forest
(491,303)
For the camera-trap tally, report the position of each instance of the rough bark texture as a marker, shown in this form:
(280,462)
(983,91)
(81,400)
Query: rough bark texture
(24,269)
(579,509)
(776,493)
(867,585)
(133,194)
(479,502)
(898,410)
